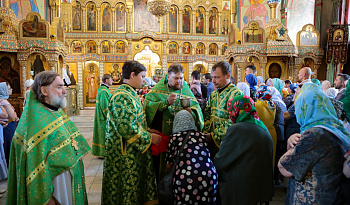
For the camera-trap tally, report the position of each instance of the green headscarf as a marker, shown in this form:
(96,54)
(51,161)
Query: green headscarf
(241,108)
(346,102)
(278,84)
(316,81)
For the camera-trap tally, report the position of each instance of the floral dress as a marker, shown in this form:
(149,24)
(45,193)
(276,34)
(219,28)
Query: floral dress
(195,178)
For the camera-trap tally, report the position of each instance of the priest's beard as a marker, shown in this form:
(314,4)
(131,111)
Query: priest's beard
(56,101)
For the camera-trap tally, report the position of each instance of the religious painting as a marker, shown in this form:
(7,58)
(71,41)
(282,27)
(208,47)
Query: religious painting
(308,36)
(37,66)
(226,5)
(91,79)
(115,70)
(213,16)
(225,23)
(76,18)
(105,47)
(200,48)
(213,49)
(337,48)
(256,10)
(91,47)
(173,19)
(72,70)
(253,33)
(143,19)
(76,47)
(91,17)
(120,17)
(106,17)
(173,48)
(186,48)
(65,1)
(23,7)
(338,35)
(10,75)
(275,70)
(223,49)
(120,47)
(186,19)
(34,27)
(200,14)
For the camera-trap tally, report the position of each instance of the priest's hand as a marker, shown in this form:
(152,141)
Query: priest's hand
(153,131)
(172,98)
(156,138)
(51,202)
(293,140)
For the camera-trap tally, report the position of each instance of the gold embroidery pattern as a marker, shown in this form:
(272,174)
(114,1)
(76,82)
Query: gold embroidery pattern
(19,139)
(64,143)
(166,93)
(98,145)
(36,172)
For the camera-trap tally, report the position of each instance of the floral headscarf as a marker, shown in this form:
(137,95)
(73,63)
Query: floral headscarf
(264,93)
(241,109)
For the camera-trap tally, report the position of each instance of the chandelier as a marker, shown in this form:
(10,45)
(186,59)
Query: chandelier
(158,8)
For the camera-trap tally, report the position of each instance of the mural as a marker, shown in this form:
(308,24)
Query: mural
(173,19)
(105,47)
(91,82)
(120,47)
(213,49)
(173,48)
(76,18)
(38,65)
(200,48)
(186,19)
(257,10)
(91,47)
(76,47)
(200,20)
(106,17)
(253,34)
(143,19)
(275,70)
(10,75)
(23,7)
(223,49)
(225,5)
(120,17)
(91,17)
(34,28)
(308,36)
(186,48)
(213,13)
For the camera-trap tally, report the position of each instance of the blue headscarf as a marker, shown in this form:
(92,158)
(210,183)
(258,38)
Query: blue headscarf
(4,91)
(316,81)
(252,81)
(313,108)
(278,84)
(293,87)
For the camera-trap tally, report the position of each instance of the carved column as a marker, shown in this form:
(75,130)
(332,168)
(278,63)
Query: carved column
(129,57)
(206,23)
(113,20)
(7,4)
(128,10)
(165,57)
(193,22)
(262,70)
(23,67)
(102,71)
(81,87)
(180,21)
(98,26)
(219,23)
(83,19)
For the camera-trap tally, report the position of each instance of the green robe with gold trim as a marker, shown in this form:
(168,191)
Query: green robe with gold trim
(98,141)
(128,175)
(217,119)
(46,144)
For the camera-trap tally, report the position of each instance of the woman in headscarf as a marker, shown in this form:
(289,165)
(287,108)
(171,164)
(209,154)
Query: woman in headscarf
(260,80)
(338,106)
(195,178)
(316,81)
(266,111)
(197,92)
(252,81)
(325,85)
(3,164)
(315,159)
(244,87)
(346,102)
(268,82)
(245,156)
(278,84)
(289,99)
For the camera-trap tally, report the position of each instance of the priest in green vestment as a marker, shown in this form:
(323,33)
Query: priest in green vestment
(102,100)
(128,174)
(162,103)
(46,163)
(217,119)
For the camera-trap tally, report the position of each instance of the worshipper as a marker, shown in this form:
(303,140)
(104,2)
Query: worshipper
(196,77)
(232,80)
(252,81)
(217,119)
(128,173)
(278,84)
(287,83)
(291,124)
(46,165)
(266,111)
(9,130)
(149,81)
(65,76)
(315,156)
(346,169)
(28,85)
(250,69)
(245,157)
(325,85)
(244,87)
(304,75)
(163,102)
(316,81)
(3,164)
(196,90)
(199,184)
(260,81)
(289,99)
(207,82)
(338,105)
(102,100)
(339,84)
(268,82)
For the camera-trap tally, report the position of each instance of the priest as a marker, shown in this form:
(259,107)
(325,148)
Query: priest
(46,165)
(102,100)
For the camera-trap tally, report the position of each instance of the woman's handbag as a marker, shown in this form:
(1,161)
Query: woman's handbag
(165,186)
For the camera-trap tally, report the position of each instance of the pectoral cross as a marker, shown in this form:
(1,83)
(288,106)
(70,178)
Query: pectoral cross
(169,122)
(78,189)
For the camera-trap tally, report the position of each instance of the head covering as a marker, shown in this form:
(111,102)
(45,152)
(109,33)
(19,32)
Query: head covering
(241,109)
(293,87)
(183,121)
(331,92)
(316,81)
(325,85)
(149,81)
(28,83)
(276,96)
(278,84)
(244,88)
(252,81)
(269,82)
(313,108)
(346,101)
(260,79)
(265,94)
(4,91)
(65,76)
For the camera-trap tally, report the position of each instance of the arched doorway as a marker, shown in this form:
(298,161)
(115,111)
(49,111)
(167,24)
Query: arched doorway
(149,59)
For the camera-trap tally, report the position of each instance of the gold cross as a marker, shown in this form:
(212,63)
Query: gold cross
(165,106)
(169,122)
(78,189)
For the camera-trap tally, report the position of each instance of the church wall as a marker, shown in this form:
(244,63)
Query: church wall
(326,21)
(253,10)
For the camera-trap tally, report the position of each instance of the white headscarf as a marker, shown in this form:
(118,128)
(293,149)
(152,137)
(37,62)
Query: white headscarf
(331,92)
(28,83)
(244,88)
(65,76)
(276,95)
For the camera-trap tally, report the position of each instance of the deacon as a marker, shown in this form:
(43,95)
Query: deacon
(128,174)
(46,165)
(217,119)
(102,100)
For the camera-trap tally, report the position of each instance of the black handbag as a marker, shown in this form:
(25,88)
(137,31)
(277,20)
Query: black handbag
(165,186)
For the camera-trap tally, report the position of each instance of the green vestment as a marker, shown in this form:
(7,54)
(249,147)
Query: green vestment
(98,141)
(217,119)
(128,175)
(46,144)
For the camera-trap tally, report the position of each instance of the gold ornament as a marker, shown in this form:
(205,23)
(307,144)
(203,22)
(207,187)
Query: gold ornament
(158,8)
